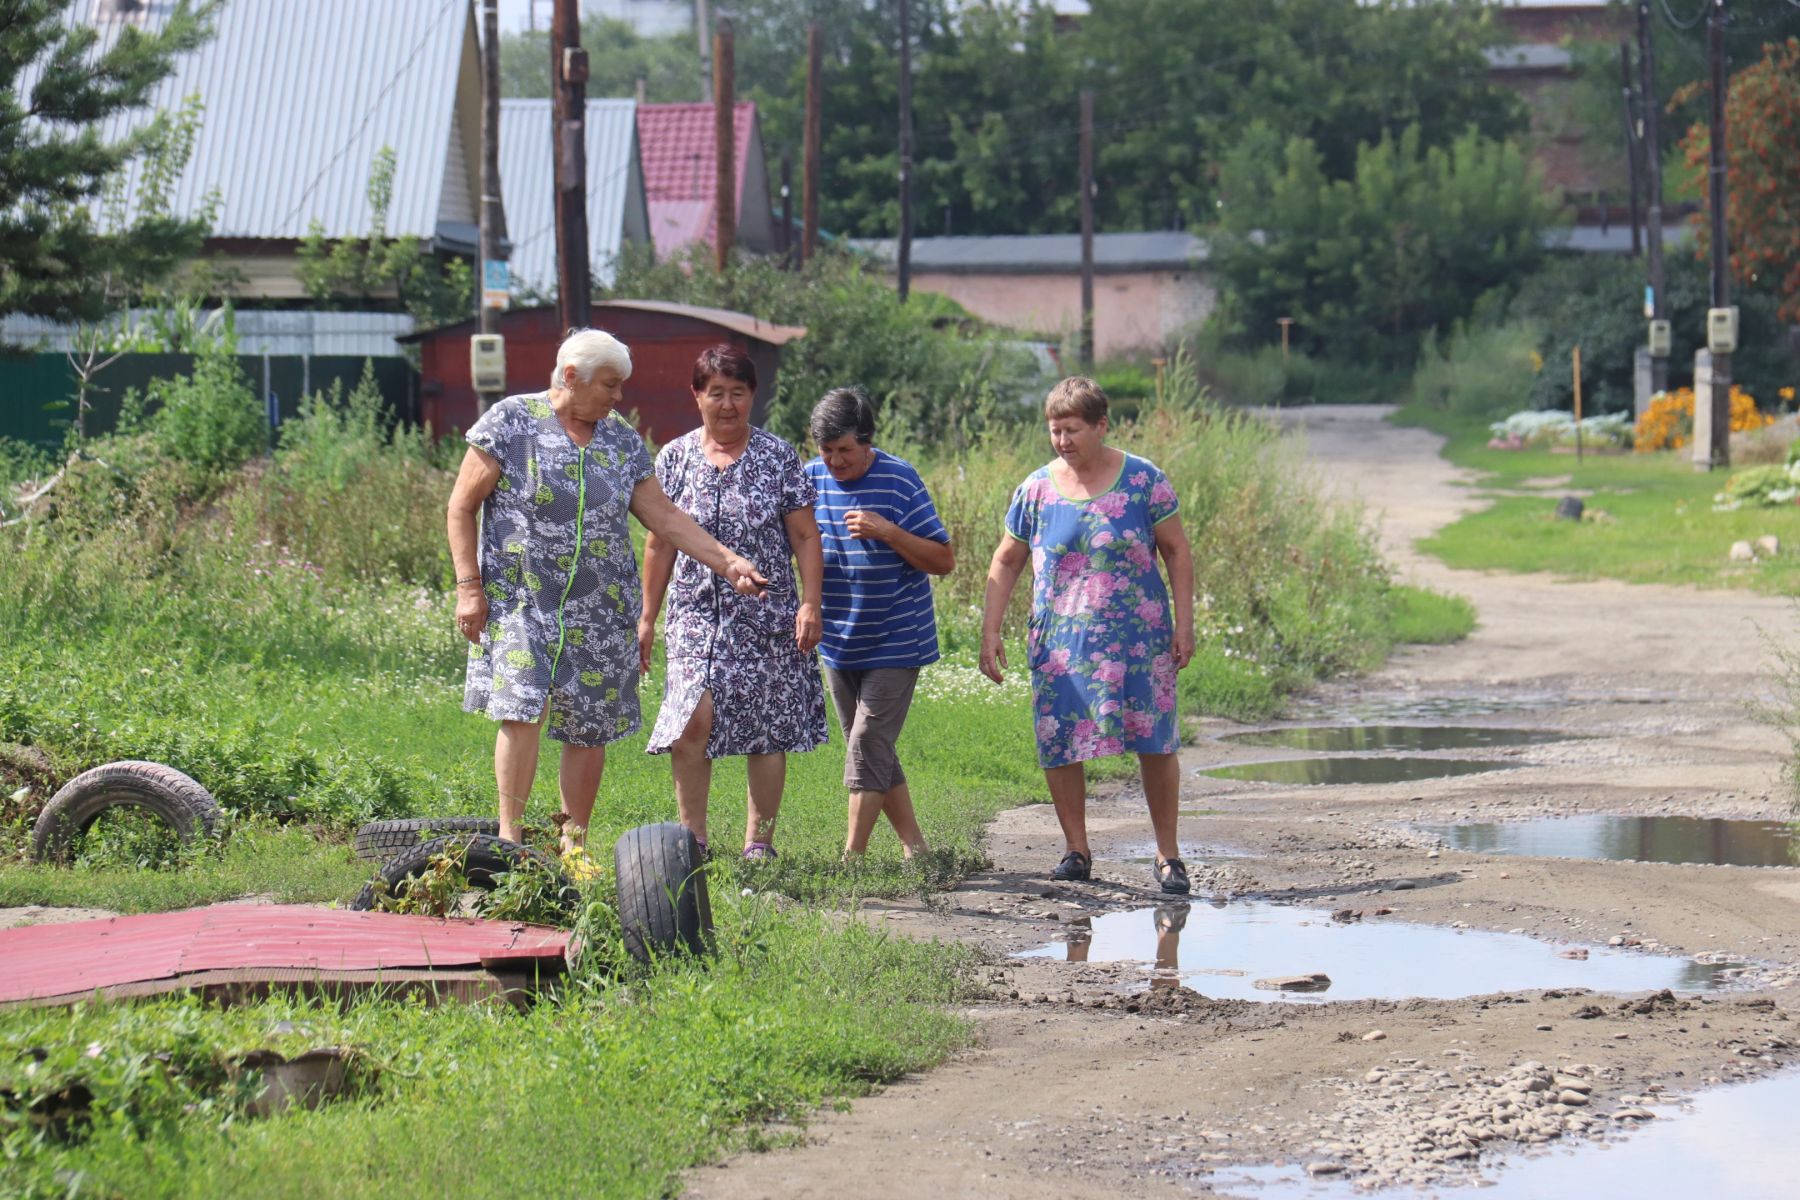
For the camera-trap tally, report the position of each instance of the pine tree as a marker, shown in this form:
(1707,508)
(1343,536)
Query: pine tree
(62,254)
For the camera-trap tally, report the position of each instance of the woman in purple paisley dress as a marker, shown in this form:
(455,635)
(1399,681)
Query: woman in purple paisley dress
(1103,645)
(743,677)
(546,583)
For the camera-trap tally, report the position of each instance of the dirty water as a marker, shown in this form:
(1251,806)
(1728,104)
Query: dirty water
(1326,739)
(1710,840)
(1734,1141)
(1223,949)
(1339,771)
(1404,709)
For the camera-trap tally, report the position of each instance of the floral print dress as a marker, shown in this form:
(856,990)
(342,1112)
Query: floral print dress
(766,695)
(560,575)
(1101,635)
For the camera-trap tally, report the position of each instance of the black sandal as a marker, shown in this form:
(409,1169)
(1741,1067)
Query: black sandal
(1172,874)
(1074,868)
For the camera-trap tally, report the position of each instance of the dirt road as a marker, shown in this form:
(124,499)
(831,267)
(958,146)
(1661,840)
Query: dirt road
(1082,1082)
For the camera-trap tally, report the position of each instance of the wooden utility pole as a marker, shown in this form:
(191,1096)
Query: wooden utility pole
(493,213)
(1631,146)
(809,164)
(1087,228)
(568,114)
(1718,81)
(903,247)
(785,244)
(703,32)
(1652,142)
(725,198)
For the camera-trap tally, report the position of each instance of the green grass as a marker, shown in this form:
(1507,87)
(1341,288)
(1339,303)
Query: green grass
(1650,518)
(609,1091)
(1421,617)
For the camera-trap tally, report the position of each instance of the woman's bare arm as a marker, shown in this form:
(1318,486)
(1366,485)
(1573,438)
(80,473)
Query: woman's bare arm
(1178,559)
(809,557)
(475,482)
(1008,563)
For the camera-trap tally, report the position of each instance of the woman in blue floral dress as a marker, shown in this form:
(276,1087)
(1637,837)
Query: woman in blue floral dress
(1103,645)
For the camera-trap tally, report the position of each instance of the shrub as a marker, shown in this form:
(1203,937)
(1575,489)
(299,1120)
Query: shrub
(210,419)
(1668,423)
(1478,371)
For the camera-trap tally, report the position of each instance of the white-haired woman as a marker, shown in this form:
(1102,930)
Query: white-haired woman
(547,587)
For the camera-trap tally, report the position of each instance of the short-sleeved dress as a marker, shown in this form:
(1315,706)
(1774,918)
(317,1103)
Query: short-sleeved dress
(766,694)
(560,575)
(1101,634)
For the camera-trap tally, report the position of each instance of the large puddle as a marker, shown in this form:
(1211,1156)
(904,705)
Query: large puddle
(1397,769)
(1225,950)
(1735,1142)
(1370,739)
(1634,839)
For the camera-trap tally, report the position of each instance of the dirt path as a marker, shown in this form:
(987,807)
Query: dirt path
(1083,1083)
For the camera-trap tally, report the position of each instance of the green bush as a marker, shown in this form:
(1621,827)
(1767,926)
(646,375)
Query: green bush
(1479,372)
(211,419)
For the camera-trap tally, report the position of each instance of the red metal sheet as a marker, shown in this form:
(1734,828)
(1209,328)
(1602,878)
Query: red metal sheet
(55,960)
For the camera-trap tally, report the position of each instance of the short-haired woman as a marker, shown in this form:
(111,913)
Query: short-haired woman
(546,581)
(742,675)
(1102,646)
(882,540)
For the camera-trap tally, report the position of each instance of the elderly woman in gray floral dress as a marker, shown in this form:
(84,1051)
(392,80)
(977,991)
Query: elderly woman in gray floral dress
(547,584)
(742,674)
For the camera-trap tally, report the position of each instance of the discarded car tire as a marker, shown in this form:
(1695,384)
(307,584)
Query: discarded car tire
(378,841)
(484,858)
(164,792)
(663,904)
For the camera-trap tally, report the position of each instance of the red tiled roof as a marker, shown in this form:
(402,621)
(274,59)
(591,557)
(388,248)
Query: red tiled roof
(676,146)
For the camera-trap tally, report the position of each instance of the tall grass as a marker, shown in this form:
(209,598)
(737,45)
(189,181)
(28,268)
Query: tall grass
(1485,372)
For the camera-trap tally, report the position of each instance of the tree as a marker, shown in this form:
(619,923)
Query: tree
(62,254)
(1762,154)
(1412,240)
(618,56)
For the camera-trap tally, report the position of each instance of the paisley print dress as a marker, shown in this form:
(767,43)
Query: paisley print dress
(766,695)
(560,575)
(1100,642)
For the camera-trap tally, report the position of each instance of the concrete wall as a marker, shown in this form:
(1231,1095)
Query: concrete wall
(1134,312)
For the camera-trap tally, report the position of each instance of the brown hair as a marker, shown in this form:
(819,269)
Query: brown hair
(1076,396)
(727,360)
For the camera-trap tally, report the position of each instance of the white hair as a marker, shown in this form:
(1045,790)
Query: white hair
(587,350)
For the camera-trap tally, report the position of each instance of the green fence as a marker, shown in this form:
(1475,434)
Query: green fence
(37,391)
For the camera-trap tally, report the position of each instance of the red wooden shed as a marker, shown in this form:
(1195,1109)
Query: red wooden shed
(664,340)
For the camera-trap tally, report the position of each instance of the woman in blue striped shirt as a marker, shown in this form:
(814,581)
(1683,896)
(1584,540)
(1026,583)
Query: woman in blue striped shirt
(882,540)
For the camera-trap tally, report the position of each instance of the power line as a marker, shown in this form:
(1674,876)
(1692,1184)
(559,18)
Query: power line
(393,81)
(1692,21)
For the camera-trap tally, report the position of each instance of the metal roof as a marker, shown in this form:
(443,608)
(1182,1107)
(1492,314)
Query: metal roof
(259,331)
(737,322)
(1530,56)
(679,182)
(300,97)
(615,187)
(1046,253)
(1609,239)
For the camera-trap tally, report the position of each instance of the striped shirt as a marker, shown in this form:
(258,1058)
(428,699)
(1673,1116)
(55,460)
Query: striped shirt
(876,606)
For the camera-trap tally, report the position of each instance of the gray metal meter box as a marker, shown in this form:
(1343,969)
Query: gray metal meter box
(1662,339)
(1722,329)
(487,362)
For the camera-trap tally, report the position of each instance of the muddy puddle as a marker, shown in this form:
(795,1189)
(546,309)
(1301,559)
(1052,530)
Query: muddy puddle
(1734,1141)
(1713,840)
(1371,739)
(1329,771)
(1256,950)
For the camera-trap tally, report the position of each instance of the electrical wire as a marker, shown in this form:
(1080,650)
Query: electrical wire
(1669,14)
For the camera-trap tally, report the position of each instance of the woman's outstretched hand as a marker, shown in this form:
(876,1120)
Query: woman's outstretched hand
(809,627)
(471,611)
(1184,648)
(993,657)
(744,578)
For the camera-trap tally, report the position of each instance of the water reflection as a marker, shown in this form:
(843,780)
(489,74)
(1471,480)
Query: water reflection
(1307,771)
(1374,738)
(1221,949)
(1711,840)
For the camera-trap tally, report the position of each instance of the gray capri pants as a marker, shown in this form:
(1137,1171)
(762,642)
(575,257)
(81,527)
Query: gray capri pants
(871,706)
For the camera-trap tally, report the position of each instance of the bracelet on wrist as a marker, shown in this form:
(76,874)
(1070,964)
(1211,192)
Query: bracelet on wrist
(468,579)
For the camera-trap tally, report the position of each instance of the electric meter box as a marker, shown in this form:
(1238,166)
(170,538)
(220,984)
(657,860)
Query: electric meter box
(487,362)
(1662,339)
(1722,329)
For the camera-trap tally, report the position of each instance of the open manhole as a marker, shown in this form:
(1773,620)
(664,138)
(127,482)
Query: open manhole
(1225,950)
(1712,840)
(1387,769)
(1372,739)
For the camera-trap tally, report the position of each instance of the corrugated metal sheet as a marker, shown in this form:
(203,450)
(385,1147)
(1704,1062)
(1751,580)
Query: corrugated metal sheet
(357,334)
(615,197)
(300,97)
(677,142)
(1046,253)
(1530,56)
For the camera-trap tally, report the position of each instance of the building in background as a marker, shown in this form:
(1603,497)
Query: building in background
(677,143)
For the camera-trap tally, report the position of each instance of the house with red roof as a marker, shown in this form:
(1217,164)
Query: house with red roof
(676,144)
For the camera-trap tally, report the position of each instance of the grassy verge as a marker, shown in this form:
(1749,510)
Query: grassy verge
(1650,517)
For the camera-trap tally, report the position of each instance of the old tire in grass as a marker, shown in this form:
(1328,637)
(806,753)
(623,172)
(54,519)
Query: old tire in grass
(663,904)
(379,841)
(484,858)
(164,792)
